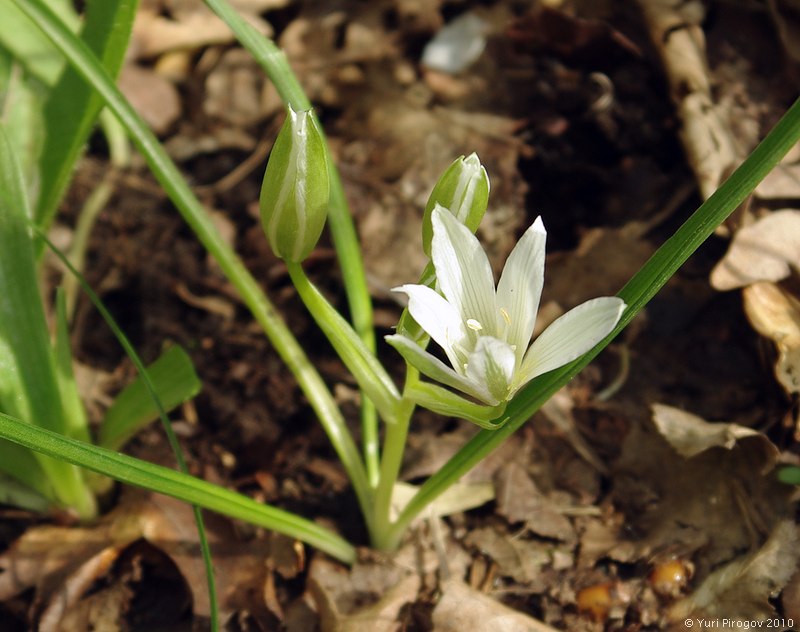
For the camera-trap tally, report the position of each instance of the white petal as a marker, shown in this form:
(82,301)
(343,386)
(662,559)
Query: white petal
(437,317)
(435,369)
(520,287)
(570,336)
(463,271)
(492,364)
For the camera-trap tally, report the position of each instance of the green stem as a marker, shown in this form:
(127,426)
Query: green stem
(369,373)
(636,293)
(394,445)
(345,240)
(170,178)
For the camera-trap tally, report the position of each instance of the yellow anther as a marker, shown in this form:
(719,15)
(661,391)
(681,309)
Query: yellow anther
(473,324)
(506,317)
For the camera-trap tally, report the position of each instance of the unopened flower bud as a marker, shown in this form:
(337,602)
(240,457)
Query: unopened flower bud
(464,190)
(294,194)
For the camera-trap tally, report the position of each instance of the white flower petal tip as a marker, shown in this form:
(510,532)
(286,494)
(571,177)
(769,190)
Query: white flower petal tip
(486,331)
(571,335)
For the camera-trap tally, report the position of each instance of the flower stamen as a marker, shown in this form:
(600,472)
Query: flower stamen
(473,324)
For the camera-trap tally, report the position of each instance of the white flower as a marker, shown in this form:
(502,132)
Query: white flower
(485,332)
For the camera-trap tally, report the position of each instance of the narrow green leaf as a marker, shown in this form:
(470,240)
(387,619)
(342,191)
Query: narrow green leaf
(77,423)
(16,494)
(28,384)
(72,109)
(25,466)
(175,382)
(176,484)
(20,36)
(22,99)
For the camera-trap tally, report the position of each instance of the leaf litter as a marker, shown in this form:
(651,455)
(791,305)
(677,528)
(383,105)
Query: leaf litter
(618,506)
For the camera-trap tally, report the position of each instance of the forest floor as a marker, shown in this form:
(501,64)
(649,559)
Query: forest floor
(641,497)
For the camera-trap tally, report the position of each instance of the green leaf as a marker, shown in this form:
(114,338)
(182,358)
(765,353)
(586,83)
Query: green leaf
(175,382)
(73,106)
(77,424)
(17,494)
(440,400)
(176,484)
(23,39)
(22,98)
(28,384)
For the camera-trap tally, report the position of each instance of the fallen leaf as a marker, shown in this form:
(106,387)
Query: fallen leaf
(463,608)
(519,500)
(186,28)
(666,497)
(458,497)
(741,590)
(776,314)
(152,96)
(328,582)
(783,182)
(63,563)
(690,435)
(764,251)
(522,560)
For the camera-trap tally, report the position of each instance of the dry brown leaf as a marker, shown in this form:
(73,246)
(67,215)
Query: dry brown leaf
(763,251)
(741,589)
(522,560)
(690,435)
(519,500)
(188,28)
(708,507)
(776,315)
(458,497)
(783,182)
(235,90)
(328,583)
(152,96)
(61,563)
(676,31)
(463,608)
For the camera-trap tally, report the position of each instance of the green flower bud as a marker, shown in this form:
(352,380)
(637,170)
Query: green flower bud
(464,191)
(294,194)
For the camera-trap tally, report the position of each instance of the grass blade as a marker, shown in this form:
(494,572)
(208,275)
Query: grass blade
(73,106)
(132,471)
(175,382)
(29,386)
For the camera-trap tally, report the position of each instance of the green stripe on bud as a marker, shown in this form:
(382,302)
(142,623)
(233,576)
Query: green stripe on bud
(464,191)
(294,194)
